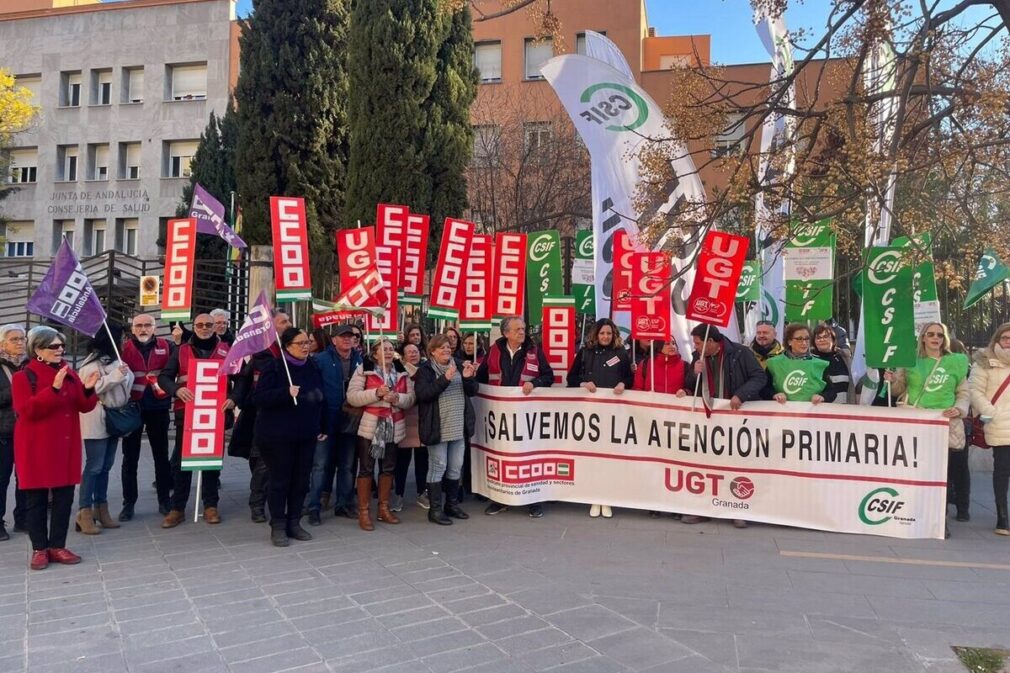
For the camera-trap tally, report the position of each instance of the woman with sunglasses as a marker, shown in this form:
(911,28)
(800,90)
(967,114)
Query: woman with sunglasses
(291,418)
(48,400)
(826,348)
(796,375)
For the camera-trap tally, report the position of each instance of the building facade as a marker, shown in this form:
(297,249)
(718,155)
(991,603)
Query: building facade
(124,91)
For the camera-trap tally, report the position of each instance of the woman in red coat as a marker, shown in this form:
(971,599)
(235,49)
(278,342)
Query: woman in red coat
(48,400)
(668,370)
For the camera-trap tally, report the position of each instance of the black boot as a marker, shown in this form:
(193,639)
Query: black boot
(127,512)
(450,491)
(1002,528)
(297,532)
(435,513)
(278,535)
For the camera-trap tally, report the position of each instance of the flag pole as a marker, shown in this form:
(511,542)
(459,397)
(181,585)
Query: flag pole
(652,369)
(286,369)
(701,359)
(112,340)
(196,503)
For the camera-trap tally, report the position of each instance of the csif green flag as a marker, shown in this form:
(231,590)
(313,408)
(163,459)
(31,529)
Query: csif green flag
(583,274)
(749,288)
(990,273)
(888,309)
(809,271)
(543,271)
(924,297)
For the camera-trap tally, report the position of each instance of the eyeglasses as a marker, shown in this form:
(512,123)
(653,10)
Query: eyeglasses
(143,325)
(54,347)
(1005,337)
(938,335)
(302,344)
(806,338)
(17,340)
(824,335)
(203,324)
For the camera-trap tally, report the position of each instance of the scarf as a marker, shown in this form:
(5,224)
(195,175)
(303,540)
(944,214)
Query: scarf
(451,405)
(293,361)
(384,426)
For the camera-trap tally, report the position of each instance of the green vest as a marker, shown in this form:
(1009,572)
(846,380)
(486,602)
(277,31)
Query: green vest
(799,379)
(940,391)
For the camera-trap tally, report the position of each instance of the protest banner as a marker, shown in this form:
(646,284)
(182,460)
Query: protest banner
(256,334)
(808,265)
(209,214)
(180,252)
(203,434)
(558,338)
(991,272)
(925,302)
(583,274)
(475,314)
(292,272)
(66,296)
(720,263)
(366,294)
(356,254)
(415,254)
(509,274)
(543,271)
(650,296)
(390,240)
(447,285)
(620,293)
(749,288)
(865,470)
(386,323)
(887,309)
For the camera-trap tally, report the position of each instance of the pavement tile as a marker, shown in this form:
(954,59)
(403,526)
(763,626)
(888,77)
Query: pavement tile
(423,630)
(639,648)
(380,659)
(512,627)
(534,640)
(589,622)
(464,658)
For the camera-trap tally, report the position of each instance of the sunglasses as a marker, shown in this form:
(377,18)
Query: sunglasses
(938,335)
(203,324)
(54,347)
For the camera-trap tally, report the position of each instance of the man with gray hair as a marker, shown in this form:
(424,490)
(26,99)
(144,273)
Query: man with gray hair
(12,359)
(221,318)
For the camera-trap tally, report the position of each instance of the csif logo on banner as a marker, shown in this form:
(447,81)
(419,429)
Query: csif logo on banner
(616,107)
(882,505)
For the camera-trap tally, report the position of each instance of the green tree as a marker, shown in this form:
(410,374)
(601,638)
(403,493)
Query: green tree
(16,113)
(292,116)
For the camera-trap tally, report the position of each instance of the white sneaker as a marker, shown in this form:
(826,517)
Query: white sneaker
(606,511)
(422,501)
(594,511)
(397,504)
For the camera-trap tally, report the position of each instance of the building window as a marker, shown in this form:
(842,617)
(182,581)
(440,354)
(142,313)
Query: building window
(487,60)
(62,229)
(101,87)
(580,42)
(94,237)
(487,144)
(66,163)
(70,89)
(98,161)
(126,235)
(178,156)
(24,165)
(187,82)
(133,85)
(536,136)
(19,239)
(728,142)
(537,52)
(129,161)
(31,82)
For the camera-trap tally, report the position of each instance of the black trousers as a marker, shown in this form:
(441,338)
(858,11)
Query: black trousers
(288,465)
(6,470)
(258,478)
(403,456)
(366,464)
(1000,478)
(467,479)
(156,424)
(959,478)
(183,479)
(53,536)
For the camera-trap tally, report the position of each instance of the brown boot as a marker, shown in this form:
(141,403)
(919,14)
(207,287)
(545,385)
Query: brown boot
(85,522)
(173,518)
(385,490)
(104,517)
(211,515)
(364,485)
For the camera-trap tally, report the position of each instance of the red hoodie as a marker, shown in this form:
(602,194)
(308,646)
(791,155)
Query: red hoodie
(669,371)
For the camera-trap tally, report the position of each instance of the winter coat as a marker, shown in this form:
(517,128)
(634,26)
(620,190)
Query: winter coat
(670,373)
(987,375)
(328,362)
(411,438)
(245,382)
(605,366)
(362,393)
(428,385)
(47,434)
(278,419)
(743,376)
(6,399)
(113,390)
(837,375)
(512,367)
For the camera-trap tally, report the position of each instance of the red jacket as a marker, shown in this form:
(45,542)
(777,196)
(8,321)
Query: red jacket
(669,370)
(47,433)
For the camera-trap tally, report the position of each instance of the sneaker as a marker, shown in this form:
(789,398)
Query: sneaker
(423,502)
(739,523)
(692,519)
(536,511)
(397,504)
(606,511)
(594,511)
(495,508)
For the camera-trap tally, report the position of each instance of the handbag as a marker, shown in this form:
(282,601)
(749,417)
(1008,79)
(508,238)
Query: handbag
(978,427)
(124,420)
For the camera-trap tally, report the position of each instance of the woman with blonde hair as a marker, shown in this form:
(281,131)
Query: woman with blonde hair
(990,378)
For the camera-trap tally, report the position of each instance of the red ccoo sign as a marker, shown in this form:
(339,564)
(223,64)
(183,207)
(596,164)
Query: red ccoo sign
(559,334)
(291,248)
(717,274)
(203,437)
(447,287)
(180,253)
(476,311)
(509,274)
(415,254)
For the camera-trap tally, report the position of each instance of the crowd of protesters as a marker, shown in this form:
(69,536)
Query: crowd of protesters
(320,413)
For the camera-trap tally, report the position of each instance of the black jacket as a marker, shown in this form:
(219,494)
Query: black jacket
(512,369)
(743,376)
(836,377)
(595,364)
(242,394)
(6,400)
(278,419)
(428,385)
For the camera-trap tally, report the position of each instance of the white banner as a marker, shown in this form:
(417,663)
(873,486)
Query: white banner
(831,467)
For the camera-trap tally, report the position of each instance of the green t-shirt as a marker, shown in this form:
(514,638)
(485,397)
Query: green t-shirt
(940,391)
(799,379)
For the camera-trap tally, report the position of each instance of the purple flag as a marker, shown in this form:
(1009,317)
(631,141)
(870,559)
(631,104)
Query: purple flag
(65,295)
(209,214)
(257,334)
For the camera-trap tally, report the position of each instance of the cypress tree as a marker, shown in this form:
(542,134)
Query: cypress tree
(213,166)
(292,115)
(392,68)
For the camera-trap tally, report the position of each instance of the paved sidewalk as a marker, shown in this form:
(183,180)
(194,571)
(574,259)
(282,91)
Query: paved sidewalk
(503,594)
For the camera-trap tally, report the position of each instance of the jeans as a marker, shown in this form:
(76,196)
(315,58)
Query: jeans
(366,464)
(183,479)
(156,424)
(445,459)
(53,536)
(403,457)
(6,469)
(322,456)
(288,465)
(99,457)
(344,458)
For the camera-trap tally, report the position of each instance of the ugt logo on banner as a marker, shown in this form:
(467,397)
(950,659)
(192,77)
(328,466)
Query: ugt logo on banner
(203,438)
(291,248)
(719,266)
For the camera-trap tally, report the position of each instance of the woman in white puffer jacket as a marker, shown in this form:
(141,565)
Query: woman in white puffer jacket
(990,397)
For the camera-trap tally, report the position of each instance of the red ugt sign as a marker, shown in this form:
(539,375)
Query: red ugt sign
(719,266)
(650,296)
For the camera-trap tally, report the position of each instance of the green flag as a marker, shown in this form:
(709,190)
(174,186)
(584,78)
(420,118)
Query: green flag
(924,297)
(543,271)
(749,288)
(809,270)
(888,310)
(991,272)
(583,274)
